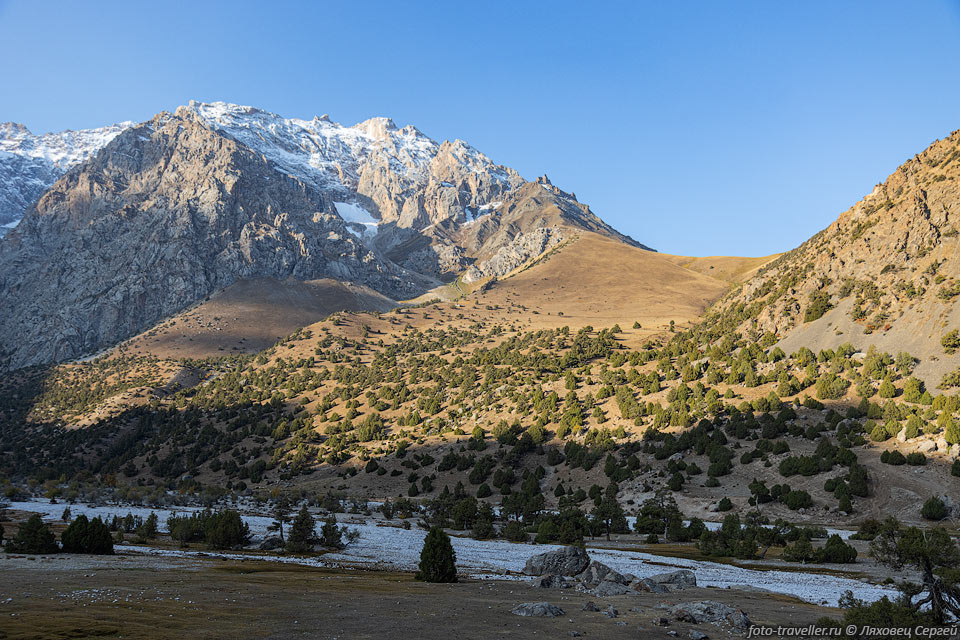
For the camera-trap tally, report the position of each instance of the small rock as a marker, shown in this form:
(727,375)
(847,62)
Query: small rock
(270,543)
(590,606)
(739,620)
(611,612)
(597,572)
(662,622)
(698,635)
(537,610)
(646,584)
(710,611)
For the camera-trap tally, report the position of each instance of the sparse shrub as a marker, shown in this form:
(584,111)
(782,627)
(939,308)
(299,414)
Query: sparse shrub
(836,551)
(950,342)
(934,509)
(819,305)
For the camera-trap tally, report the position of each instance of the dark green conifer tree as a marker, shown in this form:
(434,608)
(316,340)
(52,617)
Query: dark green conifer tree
(437,559)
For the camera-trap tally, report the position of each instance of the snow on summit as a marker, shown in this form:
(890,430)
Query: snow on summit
(391,165)
(30,164)
(332,156)
(64,149)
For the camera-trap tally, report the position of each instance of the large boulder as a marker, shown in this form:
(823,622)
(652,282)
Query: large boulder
(597,572)
(537,610)
(568,561)
(926,446)
(710,611)
(680,579)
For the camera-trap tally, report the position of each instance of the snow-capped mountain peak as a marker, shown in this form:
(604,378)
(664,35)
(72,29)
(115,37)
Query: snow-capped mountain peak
(391,167)
(319,151)
(30,164)
(64,149)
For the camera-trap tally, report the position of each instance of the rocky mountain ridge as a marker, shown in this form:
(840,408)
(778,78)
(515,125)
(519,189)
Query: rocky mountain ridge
(886,272)
(169,212)
(174,209)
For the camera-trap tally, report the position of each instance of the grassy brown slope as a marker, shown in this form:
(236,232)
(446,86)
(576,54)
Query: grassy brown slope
(597,281)
(251,315)
(733,269)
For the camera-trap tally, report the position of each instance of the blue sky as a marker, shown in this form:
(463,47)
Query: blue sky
(698,128)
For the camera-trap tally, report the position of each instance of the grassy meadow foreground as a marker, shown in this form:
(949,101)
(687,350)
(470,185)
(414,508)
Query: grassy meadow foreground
(171,598)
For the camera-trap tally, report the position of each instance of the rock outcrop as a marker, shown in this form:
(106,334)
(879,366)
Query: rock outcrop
(523,248)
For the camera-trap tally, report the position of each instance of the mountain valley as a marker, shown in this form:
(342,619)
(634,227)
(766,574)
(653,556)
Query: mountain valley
(225,308)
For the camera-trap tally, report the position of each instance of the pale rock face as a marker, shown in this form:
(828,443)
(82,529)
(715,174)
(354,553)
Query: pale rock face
(525,247)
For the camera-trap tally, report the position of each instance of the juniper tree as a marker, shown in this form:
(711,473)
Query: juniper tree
(437,558)
(281,515)
(148,529)
(932,553)
(330,534)
(33,536)
(609,515)
(87,536)
(226,530)
(303,533)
